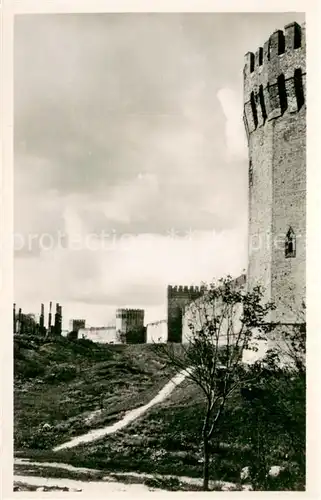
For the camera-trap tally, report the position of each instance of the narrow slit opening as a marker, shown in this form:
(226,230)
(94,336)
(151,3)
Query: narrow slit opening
(297,36)
(290,244)
(254,110)
(298,85)
(260,56)
(250,174)
(281,44)
(262,103)
(282,93)
(251,62)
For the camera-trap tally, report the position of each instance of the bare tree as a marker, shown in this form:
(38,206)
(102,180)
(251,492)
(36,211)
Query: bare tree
(222,324)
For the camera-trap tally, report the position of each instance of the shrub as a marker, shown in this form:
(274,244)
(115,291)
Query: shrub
(169,484)
(61,373)
(29,369)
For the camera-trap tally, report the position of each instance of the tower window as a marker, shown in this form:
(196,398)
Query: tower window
(290,243)
(298,85)
(254,110)
(260,56)
(282,93)
(297,36)
(262,103)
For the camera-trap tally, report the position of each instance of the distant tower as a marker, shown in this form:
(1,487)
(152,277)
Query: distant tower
(58,320)
(275,122)
(42,320)
(14,319)
(20,325)
(129,322)
(178,297)
(49,318)
(76,324)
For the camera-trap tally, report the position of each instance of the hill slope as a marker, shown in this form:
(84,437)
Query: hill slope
(63,387)
(77,386)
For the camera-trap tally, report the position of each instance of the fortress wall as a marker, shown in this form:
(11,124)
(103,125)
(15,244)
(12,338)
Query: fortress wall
(201,311)
(129,319)
(102,335)
(157,332)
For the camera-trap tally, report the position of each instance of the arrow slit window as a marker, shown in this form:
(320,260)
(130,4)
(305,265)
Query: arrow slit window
(290,243)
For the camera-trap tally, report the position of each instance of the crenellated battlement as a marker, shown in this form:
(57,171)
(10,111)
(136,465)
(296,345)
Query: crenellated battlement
(184,290)
(129,312)
(275,77)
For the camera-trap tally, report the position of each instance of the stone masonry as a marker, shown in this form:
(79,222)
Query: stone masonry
(275,122)
(178,297)
(130,325)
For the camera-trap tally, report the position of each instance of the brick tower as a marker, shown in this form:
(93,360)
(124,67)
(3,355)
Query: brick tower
(130,325)
(178,297)
(275,122)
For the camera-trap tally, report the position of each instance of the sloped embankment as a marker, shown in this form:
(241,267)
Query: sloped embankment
(65,388)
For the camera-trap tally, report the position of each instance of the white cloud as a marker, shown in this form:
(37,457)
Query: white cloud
(130,124)
(144,264)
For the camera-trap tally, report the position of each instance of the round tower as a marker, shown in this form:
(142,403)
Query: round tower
(275,123)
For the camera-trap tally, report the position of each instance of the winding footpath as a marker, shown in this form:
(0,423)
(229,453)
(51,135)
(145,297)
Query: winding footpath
(128,418)
(90,487)
(112,482)
(109,483)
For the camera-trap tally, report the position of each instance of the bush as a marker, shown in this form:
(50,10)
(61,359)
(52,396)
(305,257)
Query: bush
(169,484)
(61,373)
(41,440)
(29,369)
(290,478)
(275,414)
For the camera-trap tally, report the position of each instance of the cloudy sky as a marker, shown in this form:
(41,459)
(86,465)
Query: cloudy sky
(130,156)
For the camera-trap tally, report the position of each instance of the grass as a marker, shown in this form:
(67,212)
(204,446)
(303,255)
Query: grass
(61,383)
(56,472)
(166,441)
(68,385)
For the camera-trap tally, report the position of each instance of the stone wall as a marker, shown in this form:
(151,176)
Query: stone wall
(76,324)
(101,335)
(128,320)
(157,332)
(202,310)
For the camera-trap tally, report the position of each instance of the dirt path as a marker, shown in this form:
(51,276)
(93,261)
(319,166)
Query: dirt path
(128,418)
(90,487)
(110,483)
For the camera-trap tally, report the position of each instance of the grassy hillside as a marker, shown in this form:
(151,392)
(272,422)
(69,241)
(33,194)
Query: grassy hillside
(166,440)
(62,382)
